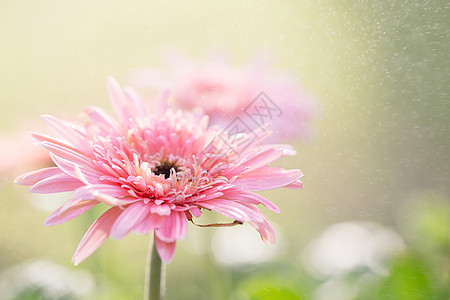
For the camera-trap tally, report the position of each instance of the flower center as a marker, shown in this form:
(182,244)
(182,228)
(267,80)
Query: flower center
(163,167)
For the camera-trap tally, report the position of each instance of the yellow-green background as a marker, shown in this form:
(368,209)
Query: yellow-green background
(378,69)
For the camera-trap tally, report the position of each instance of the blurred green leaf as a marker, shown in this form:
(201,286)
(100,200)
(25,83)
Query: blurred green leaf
(432,221)
(273,293)
(273,286)
(408,280)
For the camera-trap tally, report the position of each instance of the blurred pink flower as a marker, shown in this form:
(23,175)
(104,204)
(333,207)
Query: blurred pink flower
(19,154)
(156,172)
(223,92)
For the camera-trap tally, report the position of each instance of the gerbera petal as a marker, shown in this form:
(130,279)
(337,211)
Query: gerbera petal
(173,227)
(265,230)
(102,120)
(162,210)
(266,178)
(118,99)
(55,184)
(66,153)
(262,158)
(195,211)
(127,105)
(107,194)
(68,131)
(287,149)
(68,211)
(295,185)
(96,235)
(87,173)
(151,222)
(112,201)
(36,176)
(234,210)
(140,110)
(166,250)
(44,138)
(131,216)
(88,191)
(241,195)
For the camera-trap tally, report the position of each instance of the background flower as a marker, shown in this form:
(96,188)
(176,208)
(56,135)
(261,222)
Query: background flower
(19,154)
(224,91)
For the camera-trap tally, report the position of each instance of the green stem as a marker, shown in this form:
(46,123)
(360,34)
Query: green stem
(154,276)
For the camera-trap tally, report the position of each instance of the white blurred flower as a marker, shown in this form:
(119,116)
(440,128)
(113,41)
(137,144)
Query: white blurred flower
(345,246)
(240,246)
(51,280)
(335,289)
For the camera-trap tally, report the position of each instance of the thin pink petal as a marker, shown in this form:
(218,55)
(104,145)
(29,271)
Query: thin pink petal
(36,176)
(44,138)
(66,153)
(133,97)
(96,235)
(118,99)
(88,191)
(104,193)
(263,158)
(151,222)
(112,201)
(265,230)
(162,210)
(206,197)
(241,195)
(266,179)
(68,131)
(173,227)
(166,250)
(287,149)
(295,185)
(103,120)
(132,216)
(68,211)
(127,105)
(55,184)
(90,174)
(234,210)
(195,211)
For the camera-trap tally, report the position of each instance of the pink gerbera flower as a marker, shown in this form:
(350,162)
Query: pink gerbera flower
(155,172)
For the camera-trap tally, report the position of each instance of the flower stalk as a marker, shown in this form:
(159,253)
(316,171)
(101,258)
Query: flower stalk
(155,275)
